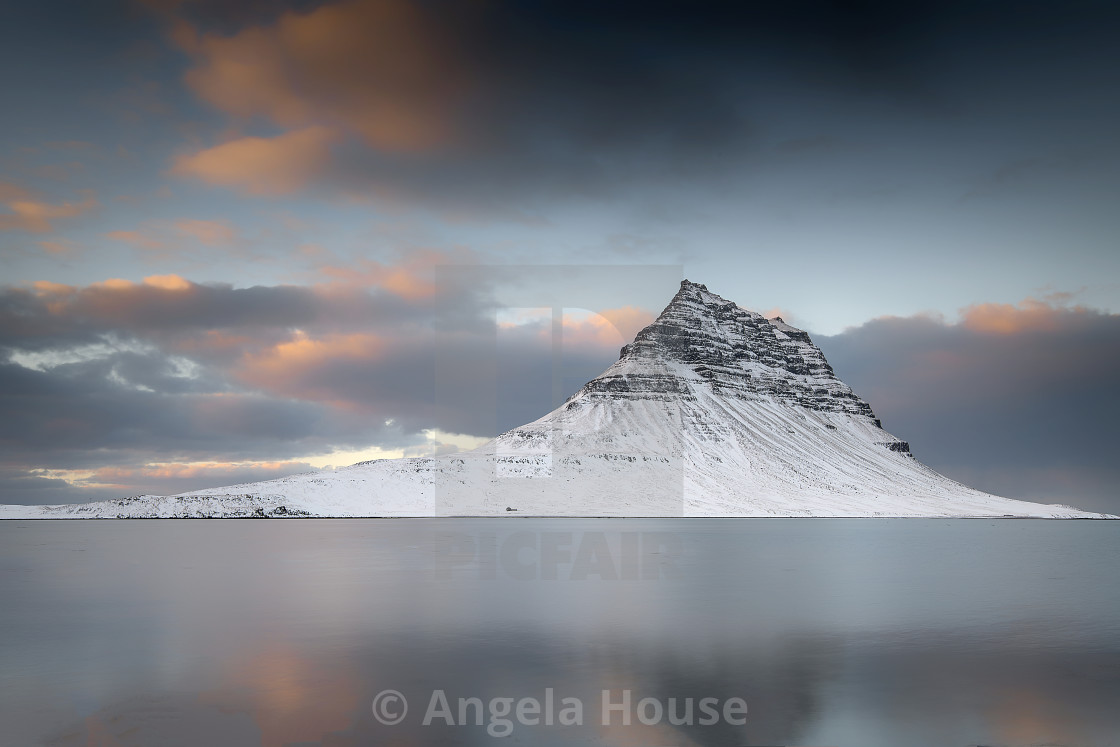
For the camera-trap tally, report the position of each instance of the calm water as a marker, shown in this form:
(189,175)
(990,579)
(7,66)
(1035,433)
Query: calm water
(855,633)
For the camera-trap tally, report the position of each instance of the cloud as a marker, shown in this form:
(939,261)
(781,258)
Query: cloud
(1030,315)
(209,232)
(172,306)
(138,239)
(30,488)
(627,321)
(383,69)
(606,329)
(470,105)
(485,109)
(262,166)
(168,282)
(59,247)
(53,486)
(411,277)
(186,240)
(777,312)
(1018,399)
(295,367)
(27,213)
(186,476)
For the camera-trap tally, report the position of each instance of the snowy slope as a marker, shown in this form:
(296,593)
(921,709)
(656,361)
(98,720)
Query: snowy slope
(713,410)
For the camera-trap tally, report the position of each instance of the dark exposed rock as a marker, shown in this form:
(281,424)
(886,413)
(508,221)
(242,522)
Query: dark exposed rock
(737,352)
(903,447)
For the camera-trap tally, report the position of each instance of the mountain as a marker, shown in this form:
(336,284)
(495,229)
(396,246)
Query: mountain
(712,410)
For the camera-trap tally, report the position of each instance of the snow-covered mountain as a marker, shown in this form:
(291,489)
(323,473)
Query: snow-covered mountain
(712,410)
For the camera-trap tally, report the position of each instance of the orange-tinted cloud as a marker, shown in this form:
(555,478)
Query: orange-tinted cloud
(168,282)
(785,315)
(413,277)
(47,287)
(59,247)
(209,232)
(197,471)
(117,299)
(138,239)
(1049,314)
(382,69)
(628,320)
(1005,319)
(262,166)
(609,328)
(27,213)
(294,367)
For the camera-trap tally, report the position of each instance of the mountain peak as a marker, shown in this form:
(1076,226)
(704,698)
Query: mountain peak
(702,338)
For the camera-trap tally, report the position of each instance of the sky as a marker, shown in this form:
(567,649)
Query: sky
(243,239)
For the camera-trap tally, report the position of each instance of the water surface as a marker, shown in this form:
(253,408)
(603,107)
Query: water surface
(855,633)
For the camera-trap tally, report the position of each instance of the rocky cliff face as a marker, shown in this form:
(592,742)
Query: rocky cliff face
(738,353)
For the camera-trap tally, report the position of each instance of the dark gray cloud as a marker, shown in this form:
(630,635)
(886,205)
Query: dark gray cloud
(1019,402)
(498,105)
(86,314)
(74,415)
